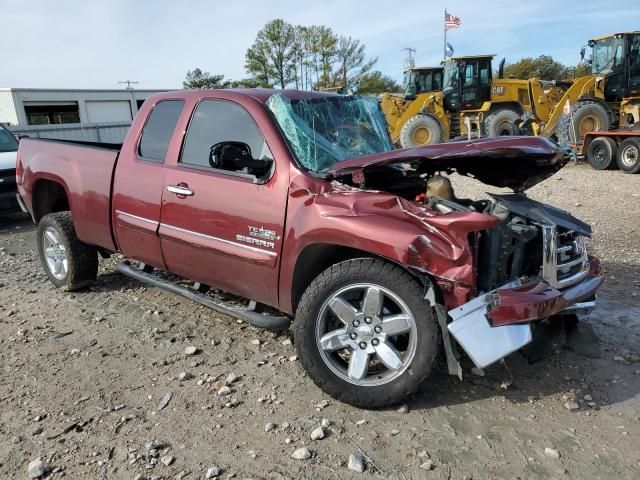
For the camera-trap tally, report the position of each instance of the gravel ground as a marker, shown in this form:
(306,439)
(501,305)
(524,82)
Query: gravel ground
(85,379)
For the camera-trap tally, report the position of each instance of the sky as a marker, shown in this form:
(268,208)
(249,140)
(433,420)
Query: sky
(97,43)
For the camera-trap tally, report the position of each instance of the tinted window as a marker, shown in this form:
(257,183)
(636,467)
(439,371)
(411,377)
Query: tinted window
(216,121)
(8,142)
(159,128)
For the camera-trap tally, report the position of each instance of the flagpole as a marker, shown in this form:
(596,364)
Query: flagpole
(445,35)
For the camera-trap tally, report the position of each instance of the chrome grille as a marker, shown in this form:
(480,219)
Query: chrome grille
(565,261)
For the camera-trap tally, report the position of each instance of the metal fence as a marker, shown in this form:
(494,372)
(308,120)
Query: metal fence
(108,132)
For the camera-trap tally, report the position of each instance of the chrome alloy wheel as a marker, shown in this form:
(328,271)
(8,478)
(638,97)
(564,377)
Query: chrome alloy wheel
(55,253)
(629,156)
(366,334)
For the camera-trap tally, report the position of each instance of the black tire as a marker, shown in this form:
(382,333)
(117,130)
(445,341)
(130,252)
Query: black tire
(587,116)
(81,259)
(601,153)
(502,123)
(420,130)
(402,284)
(628,157)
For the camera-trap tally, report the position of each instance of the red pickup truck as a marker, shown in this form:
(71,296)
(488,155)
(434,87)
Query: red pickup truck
(297,202)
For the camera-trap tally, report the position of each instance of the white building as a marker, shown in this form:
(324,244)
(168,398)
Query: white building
(22,107)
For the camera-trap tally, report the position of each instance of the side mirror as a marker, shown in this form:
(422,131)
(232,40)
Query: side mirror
(236,156)
(582,52)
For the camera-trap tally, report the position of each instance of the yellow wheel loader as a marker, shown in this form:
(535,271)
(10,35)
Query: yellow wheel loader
(470,103)
(607,99)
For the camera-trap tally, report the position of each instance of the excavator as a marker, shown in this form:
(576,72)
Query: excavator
(470,103)
(607,99)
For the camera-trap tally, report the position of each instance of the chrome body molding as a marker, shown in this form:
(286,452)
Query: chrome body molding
(136,217)
(220,240)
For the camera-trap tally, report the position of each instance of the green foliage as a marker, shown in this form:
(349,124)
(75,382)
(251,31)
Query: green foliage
(271,58)
(306,57)
(543,67)
(249,83)
(196,78)
(375,82)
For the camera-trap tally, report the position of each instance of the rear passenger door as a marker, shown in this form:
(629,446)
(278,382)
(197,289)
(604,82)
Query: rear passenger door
(219,226)
(138,181)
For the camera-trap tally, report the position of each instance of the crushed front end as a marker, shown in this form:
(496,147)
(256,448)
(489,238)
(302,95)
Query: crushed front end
(532,268)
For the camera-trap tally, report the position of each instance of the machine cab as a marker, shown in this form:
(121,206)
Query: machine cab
(467,82)
(422,80)
(617,57)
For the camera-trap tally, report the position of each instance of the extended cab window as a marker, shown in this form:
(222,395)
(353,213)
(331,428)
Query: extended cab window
(158,130)
(218,121)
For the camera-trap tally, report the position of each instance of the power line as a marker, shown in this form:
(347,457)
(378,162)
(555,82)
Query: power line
(129,83)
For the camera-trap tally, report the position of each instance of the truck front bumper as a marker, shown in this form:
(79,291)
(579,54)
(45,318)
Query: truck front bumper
(496,324)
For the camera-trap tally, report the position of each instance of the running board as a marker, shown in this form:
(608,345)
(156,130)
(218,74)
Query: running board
(270,322)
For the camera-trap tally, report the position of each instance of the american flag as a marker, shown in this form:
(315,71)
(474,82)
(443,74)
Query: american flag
(451,21)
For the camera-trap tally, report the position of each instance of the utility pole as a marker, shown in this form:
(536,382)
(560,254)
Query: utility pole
(129,83)
(133,105)
(409,61)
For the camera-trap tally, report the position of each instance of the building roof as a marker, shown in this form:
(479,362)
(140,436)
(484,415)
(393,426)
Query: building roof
(106,90)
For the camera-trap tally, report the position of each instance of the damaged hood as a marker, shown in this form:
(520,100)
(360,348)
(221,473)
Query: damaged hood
(518,163)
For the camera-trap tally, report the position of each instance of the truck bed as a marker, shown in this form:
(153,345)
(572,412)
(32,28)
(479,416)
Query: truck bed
(85,170)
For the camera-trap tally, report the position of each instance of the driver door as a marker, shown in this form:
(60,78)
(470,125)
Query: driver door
(222,227)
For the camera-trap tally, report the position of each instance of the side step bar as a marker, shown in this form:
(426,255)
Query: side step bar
(270,322)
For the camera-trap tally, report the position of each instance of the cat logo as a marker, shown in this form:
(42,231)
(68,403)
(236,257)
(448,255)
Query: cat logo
(499,90)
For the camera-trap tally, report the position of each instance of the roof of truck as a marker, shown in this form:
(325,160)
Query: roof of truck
(260,94)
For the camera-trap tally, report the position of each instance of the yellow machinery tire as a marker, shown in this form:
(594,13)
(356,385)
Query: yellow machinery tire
(502,123)
(420,130)
(588,116)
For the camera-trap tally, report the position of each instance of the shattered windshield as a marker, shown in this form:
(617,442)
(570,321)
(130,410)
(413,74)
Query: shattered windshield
(325,130)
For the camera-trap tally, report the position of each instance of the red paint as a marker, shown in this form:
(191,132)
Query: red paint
(197,236)
(539,300)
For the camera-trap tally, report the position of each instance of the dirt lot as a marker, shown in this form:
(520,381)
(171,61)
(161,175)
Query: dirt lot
(82,376)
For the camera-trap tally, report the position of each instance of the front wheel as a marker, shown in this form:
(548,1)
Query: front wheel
(365,334)
(69,263)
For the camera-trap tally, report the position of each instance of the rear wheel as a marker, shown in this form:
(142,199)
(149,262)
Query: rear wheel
(588,116)
(420,130)
(601,153)
(365,334)
(501,123)
(69,263)
(629,155)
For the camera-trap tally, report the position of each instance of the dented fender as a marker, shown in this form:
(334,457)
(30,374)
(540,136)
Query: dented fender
(382,224)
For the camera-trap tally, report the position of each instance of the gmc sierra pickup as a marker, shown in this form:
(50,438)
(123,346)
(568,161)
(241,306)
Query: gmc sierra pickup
(297,202)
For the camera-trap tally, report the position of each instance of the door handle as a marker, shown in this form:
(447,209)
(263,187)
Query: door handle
(180,190)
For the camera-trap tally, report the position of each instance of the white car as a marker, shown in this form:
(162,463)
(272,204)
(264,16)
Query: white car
(8,152)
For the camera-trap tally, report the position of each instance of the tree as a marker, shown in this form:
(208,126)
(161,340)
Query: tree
(375,82)
(543,67)
(196,78)
(351,61)
(249,83)
(271,58)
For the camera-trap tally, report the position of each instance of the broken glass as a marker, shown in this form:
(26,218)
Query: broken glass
(324,130)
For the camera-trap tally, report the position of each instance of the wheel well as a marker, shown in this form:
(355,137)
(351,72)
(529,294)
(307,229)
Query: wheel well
(314,259)
(515,106)
(49,197)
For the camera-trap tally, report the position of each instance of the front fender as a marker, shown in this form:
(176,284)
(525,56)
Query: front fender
(387,226)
